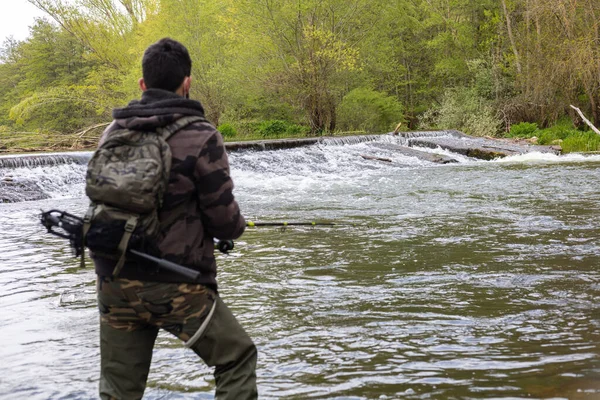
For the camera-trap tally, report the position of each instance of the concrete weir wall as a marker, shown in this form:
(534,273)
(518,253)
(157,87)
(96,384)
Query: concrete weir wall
(451,140)
(271,144)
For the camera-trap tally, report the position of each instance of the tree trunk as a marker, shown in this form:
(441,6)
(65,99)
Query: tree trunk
(511,37)
(595,111)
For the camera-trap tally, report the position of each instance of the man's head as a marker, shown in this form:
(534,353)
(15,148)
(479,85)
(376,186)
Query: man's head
(167,65)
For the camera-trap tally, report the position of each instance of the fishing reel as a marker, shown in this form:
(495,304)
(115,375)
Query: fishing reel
(224,246)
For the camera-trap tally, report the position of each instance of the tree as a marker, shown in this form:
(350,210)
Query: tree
(209,29)
(48,74)
(560,51)
(370,111)
(312,46)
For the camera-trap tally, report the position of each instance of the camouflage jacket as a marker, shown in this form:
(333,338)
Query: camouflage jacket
(199,204)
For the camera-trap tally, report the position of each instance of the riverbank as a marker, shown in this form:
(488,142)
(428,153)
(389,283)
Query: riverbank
(33,142)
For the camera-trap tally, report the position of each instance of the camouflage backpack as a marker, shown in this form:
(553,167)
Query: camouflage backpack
(126,180)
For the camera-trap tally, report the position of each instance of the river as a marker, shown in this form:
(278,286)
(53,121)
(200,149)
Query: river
(472,280)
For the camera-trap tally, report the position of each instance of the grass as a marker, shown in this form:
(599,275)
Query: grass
(581,142)
(18,142)
(22,142)
(563,133)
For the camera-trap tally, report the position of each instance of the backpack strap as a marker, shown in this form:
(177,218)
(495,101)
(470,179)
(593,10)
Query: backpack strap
(129,228)
(87,223)
(167,131)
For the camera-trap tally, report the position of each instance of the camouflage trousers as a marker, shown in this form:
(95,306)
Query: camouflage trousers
(131,314)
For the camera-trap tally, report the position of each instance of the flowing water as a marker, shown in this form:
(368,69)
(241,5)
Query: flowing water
(473,280)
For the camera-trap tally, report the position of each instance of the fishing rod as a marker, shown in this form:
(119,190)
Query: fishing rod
(285,224)
(291,223)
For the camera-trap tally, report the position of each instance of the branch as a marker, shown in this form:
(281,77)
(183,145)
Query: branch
(587,121)
(86,130)
(511,37)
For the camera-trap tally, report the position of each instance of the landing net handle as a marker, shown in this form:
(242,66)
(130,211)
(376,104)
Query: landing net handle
(71,226)
(72,229)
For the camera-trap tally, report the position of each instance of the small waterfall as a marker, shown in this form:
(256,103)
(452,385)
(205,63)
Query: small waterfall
(390,137)
(38,177)
(349,140)
(422,134)
(42,160)
(310,162)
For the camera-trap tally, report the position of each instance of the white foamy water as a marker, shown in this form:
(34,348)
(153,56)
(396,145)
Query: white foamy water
(550,158)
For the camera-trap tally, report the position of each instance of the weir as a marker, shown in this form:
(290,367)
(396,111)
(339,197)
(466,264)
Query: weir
(480,148)
(451,140)
(43,159)
(27,177)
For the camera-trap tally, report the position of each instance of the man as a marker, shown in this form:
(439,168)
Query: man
(198,206)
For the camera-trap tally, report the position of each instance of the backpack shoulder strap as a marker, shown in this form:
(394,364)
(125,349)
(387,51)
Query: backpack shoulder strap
(167,131)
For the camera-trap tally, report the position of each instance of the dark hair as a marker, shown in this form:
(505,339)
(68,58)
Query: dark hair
(166,64)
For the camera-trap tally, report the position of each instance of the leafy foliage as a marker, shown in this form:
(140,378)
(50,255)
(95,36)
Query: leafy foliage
(581,141)
(465,110)
(523,130)
(370,111)
(62,109)
(227,130)
(555,135)
(278,128)
(316,65)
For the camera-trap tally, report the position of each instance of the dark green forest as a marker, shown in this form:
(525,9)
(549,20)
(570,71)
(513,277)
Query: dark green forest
(283,68)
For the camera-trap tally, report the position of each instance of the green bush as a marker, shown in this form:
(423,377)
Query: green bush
(273,129)
(247,128)
(581,141)
(61,109)
(554,133)
(370,111)
(297,130)
(462,108)
(523,130)
(563,133)
(227,130)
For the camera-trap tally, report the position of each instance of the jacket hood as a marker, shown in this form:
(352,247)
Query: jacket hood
(155,109)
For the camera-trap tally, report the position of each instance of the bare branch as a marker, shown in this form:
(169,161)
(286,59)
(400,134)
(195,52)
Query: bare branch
(89,128)
(587,121)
